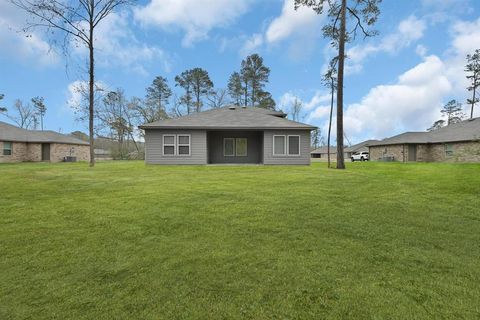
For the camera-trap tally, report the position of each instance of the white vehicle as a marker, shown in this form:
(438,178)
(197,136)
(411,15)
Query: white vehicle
(360,156)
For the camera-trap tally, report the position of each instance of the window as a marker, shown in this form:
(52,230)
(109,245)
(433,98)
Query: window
(279,145)
(168,145)
(229,147)
(7,148)
(448,150)
(294,145)
(286,145)
(241,147)
(183,141)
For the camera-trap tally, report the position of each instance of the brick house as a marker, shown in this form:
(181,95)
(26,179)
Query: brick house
(19,145)
(459,142)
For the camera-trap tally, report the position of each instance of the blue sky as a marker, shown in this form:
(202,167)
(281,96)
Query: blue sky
(395,82)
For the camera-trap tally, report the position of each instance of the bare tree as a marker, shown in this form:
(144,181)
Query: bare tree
(217,98)
(23,114)
(361,14)
(77,20)
(296,109)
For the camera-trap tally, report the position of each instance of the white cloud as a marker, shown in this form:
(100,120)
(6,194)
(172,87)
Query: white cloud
(18,44)
(195,17)
(117,45)
(293,22)
(412,103)
(408,31)
(251,44)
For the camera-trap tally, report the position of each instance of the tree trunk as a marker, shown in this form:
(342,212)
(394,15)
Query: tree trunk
(473,100)
(91,72)
(330,121)
(341,63)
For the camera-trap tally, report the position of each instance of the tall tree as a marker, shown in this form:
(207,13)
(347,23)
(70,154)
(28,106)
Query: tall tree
(197,85)
(265,100)
(157,98)
(184,81)
(41,108)
(453,111)
(437,125)
(330,80)
(236,89)
(23,114)
(78,21)
(473,75)
(361,14)
(256,76)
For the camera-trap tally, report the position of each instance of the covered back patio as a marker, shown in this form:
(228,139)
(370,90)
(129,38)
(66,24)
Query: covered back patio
(234,146)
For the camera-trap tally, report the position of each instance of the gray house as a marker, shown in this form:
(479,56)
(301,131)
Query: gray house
(232,134)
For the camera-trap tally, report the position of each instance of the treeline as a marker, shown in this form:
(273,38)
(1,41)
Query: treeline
(118,116)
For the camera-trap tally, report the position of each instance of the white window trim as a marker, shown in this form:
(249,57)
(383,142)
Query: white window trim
(284,146)
(233,149)
(288,145)
(177,149)
(3,149)
(169,145)
(246,147)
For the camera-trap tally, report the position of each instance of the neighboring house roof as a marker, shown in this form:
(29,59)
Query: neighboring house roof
(322,150)
(16,134)
(230,118)
(467,130)
(362,146)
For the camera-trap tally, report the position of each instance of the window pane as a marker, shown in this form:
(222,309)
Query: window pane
(279,145)
(169,139)
(228,146)
(293,145)
(170,150)
(7,148)
(184,150)
(241,147)
(183,139)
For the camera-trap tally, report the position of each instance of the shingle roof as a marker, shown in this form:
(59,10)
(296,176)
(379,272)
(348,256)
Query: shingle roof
(12,133)
(466,130)
(322,150)
(230,118)
(360,146)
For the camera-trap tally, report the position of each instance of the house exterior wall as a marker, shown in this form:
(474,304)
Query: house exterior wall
(398,151)
(60,150)
(32,152)
(154,147)
(19,152)
(436,152)
(254,146)
(303,158)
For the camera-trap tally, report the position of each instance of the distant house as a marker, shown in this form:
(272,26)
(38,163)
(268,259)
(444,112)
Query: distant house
(230,135)
(456,142)
(19,145)
(322,152)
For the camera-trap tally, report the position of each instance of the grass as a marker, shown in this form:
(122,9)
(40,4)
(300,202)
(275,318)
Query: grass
(129,241)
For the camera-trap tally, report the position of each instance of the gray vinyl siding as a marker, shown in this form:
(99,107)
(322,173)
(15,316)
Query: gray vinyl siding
(254,146)
(154,146)
(303,158)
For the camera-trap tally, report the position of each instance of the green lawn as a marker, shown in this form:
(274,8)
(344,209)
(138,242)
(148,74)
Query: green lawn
(129,241)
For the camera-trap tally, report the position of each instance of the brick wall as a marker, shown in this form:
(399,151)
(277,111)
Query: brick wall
(22,152)
(19,152)
(396,150)
(462,152)
(58,151)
